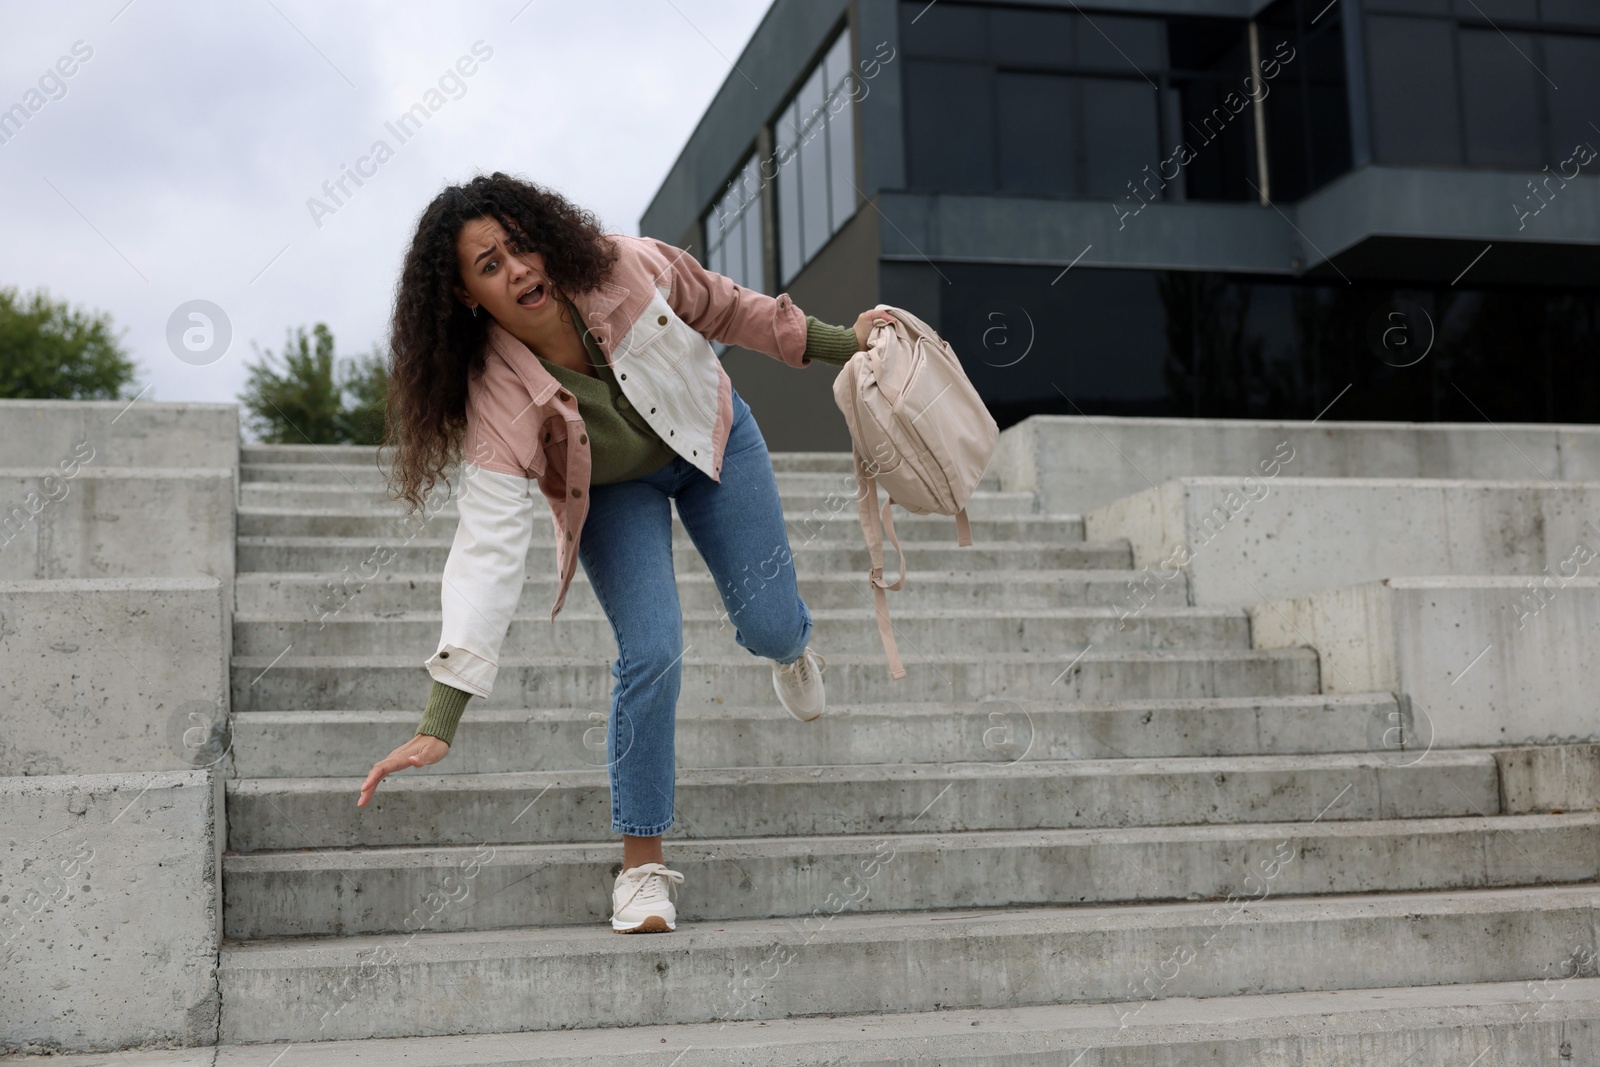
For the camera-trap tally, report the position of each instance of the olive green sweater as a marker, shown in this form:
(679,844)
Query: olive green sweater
(623,446)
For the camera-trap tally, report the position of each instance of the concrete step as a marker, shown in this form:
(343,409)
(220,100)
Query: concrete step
(371,891)
(822,502)
(341,682)
(327,591)
(1554,1021)
(371,477)
(563,806)
(842,524)
(365,457)
(579,633)
(360,556)
(270,744)
(490,981)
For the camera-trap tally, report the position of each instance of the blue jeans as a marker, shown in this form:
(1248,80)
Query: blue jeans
(626,551)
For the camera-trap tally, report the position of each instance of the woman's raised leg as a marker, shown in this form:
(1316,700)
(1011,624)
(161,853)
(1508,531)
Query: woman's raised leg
(737,525)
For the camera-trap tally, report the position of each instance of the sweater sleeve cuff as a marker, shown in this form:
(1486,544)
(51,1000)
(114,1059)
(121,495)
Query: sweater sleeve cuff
(829,344)
(443,713)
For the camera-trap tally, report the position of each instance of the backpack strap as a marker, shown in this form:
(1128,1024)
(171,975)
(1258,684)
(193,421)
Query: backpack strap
(867,498)
(888,528)
(963,529)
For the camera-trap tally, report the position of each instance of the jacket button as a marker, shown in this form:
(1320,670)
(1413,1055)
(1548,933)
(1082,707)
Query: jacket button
(564,396)
(577,492)
(652,411)
(583,438)
(696,451)
(624,377)
(672,431)
(662,320)
(444,655)
(622,402)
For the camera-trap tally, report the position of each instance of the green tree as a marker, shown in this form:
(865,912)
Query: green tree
(316,397)
(364,383)
(50,351)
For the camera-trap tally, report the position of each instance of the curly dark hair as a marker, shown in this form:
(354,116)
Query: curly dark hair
(436,343)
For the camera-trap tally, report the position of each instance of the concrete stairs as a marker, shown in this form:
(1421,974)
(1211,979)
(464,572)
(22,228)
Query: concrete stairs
(1052,834)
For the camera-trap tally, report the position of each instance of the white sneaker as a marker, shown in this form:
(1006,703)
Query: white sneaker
(640,902)
(799,685)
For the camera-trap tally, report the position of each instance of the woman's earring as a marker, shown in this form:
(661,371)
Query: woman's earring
(474,310)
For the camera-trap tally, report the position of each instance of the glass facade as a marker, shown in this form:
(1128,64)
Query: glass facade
(1028,100)
(733,230)
(1507,84)
(1064,103)
(1183,343)
(1307,104)
(816,161)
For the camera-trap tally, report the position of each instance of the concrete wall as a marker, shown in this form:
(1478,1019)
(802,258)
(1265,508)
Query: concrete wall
(119,433)
(795,408)
(1424,203)
(1080,463)
(1164,235)
(109,917)
(1244,540)
(88,522)
(1481,661)
(1466,204)
(112,674)
(117,537)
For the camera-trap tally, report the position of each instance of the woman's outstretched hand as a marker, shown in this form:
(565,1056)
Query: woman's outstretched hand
(864,324)
(420,751)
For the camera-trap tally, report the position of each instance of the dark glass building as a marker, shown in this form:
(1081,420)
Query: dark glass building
(1363,209)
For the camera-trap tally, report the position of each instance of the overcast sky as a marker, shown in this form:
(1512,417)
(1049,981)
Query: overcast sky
(175,162)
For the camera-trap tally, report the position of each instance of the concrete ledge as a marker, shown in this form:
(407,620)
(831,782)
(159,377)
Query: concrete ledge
(1477,660)
(111,910)
(116,523)
(1549,778)
(1242,540)
(119,433)
(1080,463)
(1525,1023)
(105,674)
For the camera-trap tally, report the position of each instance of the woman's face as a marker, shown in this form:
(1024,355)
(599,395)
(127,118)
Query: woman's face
(512,288)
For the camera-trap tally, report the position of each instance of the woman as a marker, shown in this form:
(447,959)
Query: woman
(514,314)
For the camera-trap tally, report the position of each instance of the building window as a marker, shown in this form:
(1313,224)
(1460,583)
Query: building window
(1037,103)
(1306,100)
(1412,63)
(733,229)
(816,160)
(1068,136)
(1476,84)
(1058,103)
(950,125)
(1199,344)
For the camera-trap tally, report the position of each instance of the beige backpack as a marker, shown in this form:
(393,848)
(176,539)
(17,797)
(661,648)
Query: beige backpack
(918,428)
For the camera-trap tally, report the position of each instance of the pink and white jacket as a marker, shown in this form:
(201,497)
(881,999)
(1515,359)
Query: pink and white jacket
(651,318)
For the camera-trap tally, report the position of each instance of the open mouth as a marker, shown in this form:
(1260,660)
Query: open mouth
(532,296)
